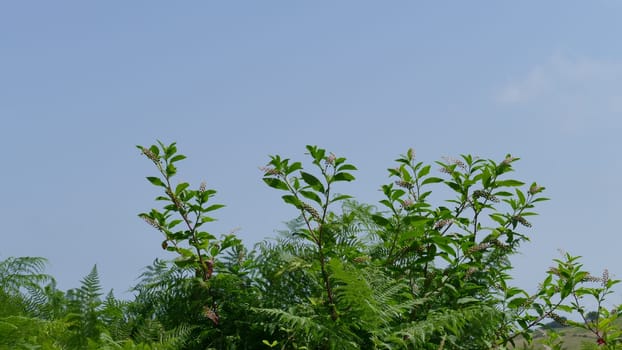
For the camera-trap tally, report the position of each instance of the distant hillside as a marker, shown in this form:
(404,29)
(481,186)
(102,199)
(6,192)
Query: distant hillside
(573,338)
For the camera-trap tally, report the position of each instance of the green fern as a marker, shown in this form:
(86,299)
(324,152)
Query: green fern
(84,306)
(114,315)
(300,328)
(22,332)
(472,327)
(90,289)
(171,340)
(22,276)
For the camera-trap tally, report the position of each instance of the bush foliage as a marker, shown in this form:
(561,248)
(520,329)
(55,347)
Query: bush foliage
(414,271)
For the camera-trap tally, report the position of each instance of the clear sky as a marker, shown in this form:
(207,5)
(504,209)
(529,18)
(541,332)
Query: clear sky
(83,82)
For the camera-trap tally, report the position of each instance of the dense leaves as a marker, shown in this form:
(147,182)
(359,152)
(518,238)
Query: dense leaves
(415,271)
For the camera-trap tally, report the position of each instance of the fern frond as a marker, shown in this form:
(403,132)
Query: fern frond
(369,302)
(162,281)
(468,328)
(90,286)
(307,329)
(22,272)
(177,337)
(22,332)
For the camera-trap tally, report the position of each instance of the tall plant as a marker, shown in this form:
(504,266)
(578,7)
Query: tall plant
(445,264)
(182,220)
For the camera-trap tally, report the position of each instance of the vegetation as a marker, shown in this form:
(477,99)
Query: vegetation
(416,272)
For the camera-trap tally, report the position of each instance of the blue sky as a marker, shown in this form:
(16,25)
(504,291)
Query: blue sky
(81,83)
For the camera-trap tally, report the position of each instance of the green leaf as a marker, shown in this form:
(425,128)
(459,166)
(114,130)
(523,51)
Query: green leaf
(415,219)
(466,300)
(185,252)
(312,181)
(454,186)
(404,174)
(509,183)
(213,207)
(565,290)
(170,150)
(424,171)
(499,218)
(393,172)
(184,262)
(273,344)
(442,244)
(346,167)
(312,150)
(386,203)
(291,199)
(276,183)
(290,169)
(173,223)
(502,194)
(431,180)
(203,197)
(177,158)
(343,177)
(339,161)
(230,240)
(517,302)
(340,198)
(156,181)
(395,195)
(380,220)
(521,196)
(312,196)
(171,170)
(295,183)
(316,153)
(155,150)
(422,198)
(513,291)
(205,236)
(182,186)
